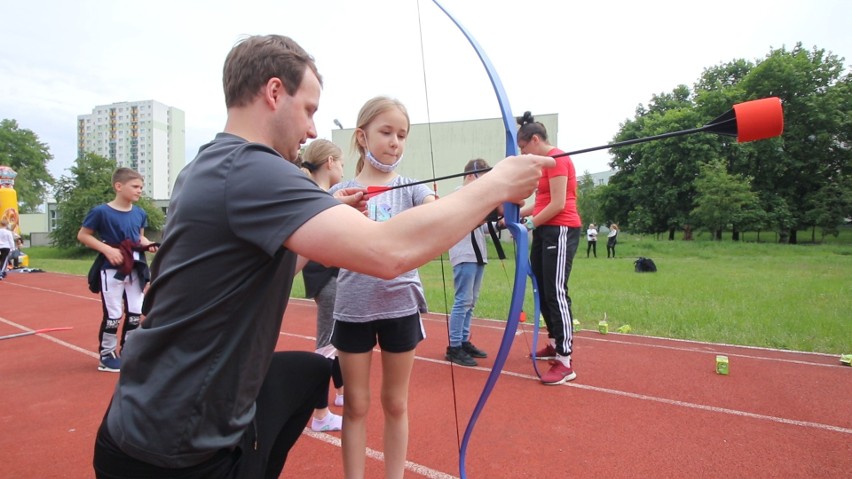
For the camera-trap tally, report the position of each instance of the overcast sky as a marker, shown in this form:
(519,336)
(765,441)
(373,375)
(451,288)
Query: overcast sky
(590,62)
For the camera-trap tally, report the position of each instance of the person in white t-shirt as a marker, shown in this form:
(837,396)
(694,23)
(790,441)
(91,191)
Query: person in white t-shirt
(592,240)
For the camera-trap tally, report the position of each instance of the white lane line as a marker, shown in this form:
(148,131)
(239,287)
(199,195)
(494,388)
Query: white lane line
(644,397)
(379,456)
(63,293)
(620,339)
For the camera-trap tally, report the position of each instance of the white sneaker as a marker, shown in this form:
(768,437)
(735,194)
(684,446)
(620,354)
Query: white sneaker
(331,422)
(338,400)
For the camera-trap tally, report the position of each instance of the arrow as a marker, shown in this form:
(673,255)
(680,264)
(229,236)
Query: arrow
(748,121)
(37,331)
(375,190)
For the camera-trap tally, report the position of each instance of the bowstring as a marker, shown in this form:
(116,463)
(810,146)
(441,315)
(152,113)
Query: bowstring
(435,189)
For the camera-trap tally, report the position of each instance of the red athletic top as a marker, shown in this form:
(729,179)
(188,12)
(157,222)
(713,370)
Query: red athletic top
(569,215)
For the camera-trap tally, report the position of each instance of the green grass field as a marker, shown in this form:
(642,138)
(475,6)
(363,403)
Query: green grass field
(796,297)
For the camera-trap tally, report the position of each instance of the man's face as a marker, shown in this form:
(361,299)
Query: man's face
(294,120)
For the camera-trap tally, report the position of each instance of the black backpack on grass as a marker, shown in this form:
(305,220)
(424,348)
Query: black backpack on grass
(645,265)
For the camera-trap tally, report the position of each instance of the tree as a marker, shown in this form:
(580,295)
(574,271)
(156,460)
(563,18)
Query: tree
(89,185)
(814,151)
(659,176)
(21,150)
(723,199)
(800,179)
(830,207)
(588,200)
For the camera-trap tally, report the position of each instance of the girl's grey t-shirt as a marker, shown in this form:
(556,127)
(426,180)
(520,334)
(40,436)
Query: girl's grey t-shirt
(362,298)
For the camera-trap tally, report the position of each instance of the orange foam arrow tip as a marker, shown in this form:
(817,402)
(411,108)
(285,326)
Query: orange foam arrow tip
(523,317)
(759,119)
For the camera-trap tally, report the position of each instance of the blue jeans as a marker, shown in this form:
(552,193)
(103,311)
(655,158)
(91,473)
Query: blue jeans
(467,278)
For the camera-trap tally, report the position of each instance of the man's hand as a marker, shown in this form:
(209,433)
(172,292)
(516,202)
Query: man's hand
(517,176)
(353,197)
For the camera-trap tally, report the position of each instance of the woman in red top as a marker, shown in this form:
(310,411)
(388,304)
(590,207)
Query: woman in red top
(555,223)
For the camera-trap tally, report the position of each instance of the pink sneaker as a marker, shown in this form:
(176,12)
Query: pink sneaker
(546,353)
(558,374)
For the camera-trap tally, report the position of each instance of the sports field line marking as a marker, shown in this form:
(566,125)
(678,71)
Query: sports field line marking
(731,354)
(643,397)
(48,337)
(522,331)
(500,325)
(63,293)
(380,456)
(671,402)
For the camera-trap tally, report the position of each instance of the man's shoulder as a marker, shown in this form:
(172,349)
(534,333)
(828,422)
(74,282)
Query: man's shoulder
(227,144)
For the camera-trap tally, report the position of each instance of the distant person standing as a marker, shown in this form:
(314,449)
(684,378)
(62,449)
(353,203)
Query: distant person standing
(592,240)
(121,266)
(7,244)
(611,240)
(468,258)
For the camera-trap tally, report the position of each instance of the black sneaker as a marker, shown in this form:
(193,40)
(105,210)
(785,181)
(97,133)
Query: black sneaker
(110,363)
(455,354)
(473,351)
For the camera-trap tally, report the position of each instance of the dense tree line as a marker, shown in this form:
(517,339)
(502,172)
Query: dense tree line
(21,150)
(797,182)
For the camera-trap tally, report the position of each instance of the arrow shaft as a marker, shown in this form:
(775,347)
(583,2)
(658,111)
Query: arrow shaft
(575,152)
(29,333)
(440,178)
(635,141)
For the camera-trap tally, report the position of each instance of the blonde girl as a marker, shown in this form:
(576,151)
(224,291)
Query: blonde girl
(369,310)
(322,160)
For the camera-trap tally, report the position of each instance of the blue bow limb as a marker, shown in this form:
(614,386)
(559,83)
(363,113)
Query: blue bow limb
(511,215)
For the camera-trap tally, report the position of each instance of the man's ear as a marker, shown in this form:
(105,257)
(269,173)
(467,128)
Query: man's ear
(273,90)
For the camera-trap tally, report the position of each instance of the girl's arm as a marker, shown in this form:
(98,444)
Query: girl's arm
(417,235)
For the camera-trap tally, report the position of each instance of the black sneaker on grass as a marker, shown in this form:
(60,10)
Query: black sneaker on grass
(473,351)
(455,354)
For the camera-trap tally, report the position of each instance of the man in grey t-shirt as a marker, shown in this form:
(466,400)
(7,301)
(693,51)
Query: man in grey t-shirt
(202,392)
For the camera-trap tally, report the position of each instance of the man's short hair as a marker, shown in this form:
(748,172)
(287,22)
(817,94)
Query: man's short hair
(256,59)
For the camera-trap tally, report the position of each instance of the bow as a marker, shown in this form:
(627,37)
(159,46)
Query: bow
(511,214)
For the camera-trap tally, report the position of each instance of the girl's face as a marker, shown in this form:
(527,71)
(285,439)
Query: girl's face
(533,147)
(386,135)
(335,170)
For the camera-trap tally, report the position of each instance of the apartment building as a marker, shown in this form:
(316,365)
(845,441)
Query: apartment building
(147,136)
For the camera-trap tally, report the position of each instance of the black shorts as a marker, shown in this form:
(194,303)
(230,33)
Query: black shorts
(394,335)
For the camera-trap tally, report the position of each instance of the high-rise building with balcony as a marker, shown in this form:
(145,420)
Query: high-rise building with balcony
(147,136)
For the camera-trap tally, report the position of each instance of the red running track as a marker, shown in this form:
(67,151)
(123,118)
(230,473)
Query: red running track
(641,407)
